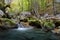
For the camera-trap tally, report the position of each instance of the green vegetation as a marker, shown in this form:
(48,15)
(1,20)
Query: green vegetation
(28,16)
(6,23)
(33,6)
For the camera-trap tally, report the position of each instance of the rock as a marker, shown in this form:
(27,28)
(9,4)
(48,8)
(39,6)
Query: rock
(7,2)
(24,15)
(57,31)
(57,23)
(59,27)
(58,16)
(1,13)
(25,24)
(36,24)
(7,24)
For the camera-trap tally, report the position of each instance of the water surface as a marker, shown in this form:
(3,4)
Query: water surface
(29,34)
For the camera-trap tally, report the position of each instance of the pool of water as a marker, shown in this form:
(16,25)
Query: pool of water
(26,34)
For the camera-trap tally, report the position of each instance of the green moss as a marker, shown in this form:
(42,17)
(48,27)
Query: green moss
(49,24)
(11,22)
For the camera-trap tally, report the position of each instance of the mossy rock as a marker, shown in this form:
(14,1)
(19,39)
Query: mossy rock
(7,23)
(49,24)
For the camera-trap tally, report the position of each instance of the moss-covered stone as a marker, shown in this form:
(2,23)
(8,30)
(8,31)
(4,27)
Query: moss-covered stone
(7,23)
(49,24)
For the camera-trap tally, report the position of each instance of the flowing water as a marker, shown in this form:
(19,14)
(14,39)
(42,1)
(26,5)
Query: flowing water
(22,33)
(21,27)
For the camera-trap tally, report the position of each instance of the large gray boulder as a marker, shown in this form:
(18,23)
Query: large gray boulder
(24,15)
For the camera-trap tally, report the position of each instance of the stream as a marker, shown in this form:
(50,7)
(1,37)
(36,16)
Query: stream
(22,33)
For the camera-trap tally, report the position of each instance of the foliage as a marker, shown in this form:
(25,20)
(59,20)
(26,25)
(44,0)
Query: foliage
(31,18)
(49,24)
(42,4)
(1,3)
(19,5)
(27,5)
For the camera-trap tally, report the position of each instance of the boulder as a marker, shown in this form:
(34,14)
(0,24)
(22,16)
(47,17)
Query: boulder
(24,15)
(7,24)
(1,13)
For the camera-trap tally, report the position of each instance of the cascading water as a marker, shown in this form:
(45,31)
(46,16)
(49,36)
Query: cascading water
(22,27)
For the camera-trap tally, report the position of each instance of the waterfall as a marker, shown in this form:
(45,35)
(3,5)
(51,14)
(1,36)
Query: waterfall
(22,27)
